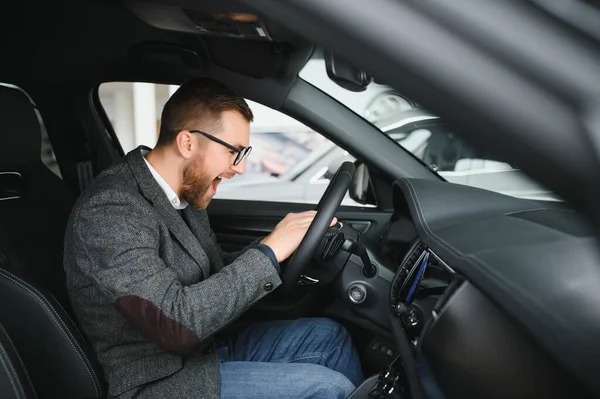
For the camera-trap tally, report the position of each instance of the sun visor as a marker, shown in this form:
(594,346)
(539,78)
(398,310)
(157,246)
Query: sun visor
(211,21)
(229,24)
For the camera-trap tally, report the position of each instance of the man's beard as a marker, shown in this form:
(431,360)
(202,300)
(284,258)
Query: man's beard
(196,183)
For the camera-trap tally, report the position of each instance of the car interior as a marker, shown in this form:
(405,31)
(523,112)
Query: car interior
(448,291)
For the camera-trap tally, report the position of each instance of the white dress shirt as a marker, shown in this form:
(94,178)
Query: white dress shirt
(169,192)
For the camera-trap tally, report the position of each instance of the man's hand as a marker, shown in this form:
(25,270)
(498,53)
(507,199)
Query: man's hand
(288,233)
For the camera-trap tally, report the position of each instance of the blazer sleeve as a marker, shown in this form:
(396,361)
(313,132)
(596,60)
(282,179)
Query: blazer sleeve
(229,257)
(117,242)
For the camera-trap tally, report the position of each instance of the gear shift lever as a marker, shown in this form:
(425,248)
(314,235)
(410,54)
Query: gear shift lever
(356,248)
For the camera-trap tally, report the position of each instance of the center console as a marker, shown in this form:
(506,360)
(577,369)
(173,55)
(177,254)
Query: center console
(420,287)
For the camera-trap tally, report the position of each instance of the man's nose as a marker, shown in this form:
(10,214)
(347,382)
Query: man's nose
(240,168)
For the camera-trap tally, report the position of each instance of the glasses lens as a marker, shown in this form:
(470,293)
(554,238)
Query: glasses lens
(241,155)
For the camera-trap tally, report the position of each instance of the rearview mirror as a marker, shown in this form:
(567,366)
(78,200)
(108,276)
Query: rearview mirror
(361,190)
(345,74)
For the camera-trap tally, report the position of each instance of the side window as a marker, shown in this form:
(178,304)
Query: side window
(289,161)
(47,152)
(134,110)
(443,150)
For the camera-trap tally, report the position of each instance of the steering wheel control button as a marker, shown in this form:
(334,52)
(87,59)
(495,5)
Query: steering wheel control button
(332,241)
(268,287)
(357,293)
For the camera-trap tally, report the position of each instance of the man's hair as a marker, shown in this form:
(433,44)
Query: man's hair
(199,104)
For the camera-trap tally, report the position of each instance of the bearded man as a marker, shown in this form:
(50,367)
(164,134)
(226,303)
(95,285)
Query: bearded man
(153,291)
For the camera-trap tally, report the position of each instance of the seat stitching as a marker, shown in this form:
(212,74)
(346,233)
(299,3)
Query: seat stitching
(56,302)
(10,371)
(18,357)
(64,330)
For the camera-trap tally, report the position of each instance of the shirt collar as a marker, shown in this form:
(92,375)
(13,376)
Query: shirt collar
(169,192)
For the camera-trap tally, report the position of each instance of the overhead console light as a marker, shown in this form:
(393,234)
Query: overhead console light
(229,24)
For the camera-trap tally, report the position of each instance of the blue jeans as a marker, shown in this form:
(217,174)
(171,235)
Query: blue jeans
(305,358)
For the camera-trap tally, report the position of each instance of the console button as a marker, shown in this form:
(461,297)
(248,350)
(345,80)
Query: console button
(357,293)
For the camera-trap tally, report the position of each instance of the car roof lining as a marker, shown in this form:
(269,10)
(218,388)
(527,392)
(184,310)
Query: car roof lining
(131,49)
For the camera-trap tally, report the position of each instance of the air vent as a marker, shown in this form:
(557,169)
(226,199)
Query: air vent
(404,269)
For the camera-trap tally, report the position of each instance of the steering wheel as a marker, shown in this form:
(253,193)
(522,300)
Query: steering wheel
(326,209)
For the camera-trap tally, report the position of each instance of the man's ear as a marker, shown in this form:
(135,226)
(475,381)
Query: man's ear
(184,143)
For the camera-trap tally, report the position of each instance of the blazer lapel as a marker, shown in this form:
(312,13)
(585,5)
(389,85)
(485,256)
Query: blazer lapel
(156,196)
(197,220)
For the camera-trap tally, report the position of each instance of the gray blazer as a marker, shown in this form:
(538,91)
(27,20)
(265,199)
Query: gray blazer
(148,289)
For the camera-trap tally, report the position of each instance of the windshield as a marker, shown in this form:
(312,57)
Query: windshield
(426,136)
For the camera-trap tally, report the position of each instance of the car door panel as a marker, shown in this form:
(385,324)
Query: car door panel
(239,223)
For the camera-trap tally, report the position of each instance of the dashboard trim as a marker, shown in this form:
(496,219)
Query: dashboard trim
(518,263)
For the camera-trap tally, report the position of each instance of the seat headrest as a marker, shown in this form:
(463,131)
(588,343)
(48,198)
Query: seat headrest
(20,132)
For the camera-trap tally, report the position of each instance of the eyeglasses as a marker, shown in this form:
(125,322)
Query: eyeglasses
(242,152)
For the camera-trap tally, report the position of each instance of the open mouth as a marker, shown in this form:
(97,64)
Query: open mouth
(215,183)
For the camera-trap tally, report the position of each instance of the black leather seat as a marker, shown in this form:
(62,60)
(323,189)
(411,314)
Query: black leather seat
(34,202)
(14,381)
(34,209)
(56,355)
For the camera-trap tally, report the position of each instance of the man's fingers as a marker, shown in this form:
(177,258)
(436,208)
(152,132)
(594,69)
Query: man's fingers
(308,220)
(304,219)
(304,214)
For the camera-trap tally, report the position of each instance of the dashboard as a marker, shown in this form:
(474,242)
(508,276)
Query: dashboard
(493,296)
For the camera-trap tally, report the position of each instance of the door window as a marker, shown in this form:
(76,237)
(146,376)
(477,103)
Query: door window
(289,161)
